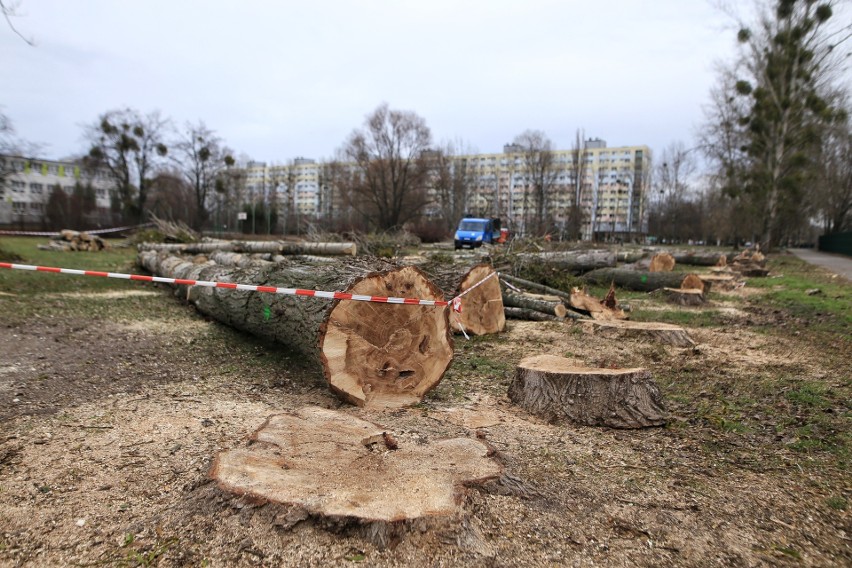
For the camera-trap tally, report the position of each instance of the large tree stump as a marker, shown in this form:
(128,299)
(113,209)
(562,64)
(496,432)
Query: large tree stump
(573,261)
(659,332)
(372,354)
(482,307)
(681,296)
(633,279)
(552,387)
(333,465)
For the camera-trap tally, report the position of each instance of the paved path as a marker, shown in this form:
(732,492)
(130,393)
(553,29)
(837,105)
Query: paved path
(836,263)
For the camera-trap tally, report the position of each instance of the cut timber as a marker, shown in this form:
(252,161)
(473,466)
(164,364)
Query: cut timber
(516,300)
(660,332)
(482,308)
(530,285)
(696,258)
(529,315)
(372,354)
(662,262)
(599,310)
(275,247)
(574,261)
(720,281)
(694,282)
(682,296)
(330,464)
(552,387)
(634,279)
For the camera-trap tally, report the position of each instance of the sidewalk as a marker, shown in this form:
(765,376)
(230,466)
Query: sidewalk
(836,263)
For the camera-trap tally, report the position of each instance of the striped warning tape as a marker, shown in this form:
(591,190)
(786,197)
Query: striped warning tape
(233,286)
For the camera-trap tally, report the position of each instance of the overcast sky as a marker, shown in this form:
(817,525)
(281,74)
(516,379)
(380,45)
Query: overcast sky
(281,79)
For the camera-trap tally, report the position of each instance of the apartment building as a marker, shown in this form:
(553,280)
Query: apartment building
(26,190)
(609,183)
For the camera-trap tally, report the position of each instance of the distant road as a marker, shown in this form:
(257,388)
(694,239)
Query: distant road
(836,263)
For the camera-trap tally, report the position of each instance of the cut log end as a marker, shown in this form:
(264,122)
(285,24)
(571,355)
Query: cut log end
(482,308)
(380,355)
(556,389)
(331,464)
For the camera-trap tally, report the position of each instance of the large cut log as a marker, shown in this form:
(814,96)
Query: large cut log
(659,332)
(516,300)
(634,279)
(696,258)
(662,262)
(573,261)
(529,315)
(332,466)
(275,247)
(372,354)
(554,388)
(482,307)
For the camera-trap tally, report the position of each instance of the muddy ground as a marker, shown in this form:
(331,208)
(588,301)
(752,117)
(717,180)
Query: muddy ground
(110,416)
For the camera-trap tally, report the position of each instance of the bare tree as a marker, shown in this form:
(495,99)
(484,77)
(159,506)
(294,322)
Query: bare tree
(453,183)
(390,172)
(10,10)
(834,183)
(540,174)
(129,145)
(576,217)
(199,155)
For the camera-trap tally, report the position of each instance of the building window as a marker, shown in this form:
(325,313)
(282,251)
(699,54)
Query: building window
(18,187)
(36,188)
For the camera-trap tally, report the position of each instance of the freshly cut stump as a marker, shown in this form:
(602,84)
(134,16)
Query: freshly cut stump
(552,387)
(665,333)
(662,262)
(332,464)
(720,281)
(372,354)
(682,296)
(482,308)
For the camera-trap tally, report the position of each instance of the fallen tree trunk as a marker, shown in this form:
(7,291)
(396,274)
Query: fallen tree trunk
(482,307)
(371,354)
(660,332)
(275,247)
(516,300)
(552,387)
(574,261)
(529,315)
(634,279)
(530,285)
(696,258)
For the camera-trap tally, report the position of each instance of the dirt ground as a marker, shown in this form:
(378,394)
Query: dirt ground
(109,424)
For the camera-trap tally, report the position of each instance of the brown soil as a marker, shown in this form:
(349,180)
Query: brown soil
(108,429)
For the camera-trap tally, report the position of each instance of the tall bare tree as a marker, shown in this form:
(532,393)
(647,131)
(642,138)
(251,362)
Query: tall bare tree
(390,172)
(200,156)
(834,183)
(453,183)
(576,216)
(540,173)
(129,145)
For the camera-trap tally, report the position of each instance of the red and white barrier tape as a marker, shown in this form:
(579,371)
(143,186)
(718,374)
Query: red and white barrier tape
(233,286)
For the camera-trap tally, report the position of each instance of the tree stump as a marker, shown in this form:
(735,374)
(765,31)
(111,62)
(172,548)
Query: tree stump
(331,464)
(482,308)
(720,281)
(665,333)
(552,387)
(372,354)
(682,296)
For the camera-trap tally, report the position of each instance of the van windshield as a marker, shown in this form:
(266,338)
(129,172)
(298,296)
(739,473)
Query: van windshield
(472,226)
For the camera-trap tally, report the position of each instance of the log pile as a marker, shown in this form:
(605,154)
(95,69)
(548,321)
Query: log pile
(331,466)
(69,240)
(573,262)
(750,263)
(555,389)
(372,354)
(273,247)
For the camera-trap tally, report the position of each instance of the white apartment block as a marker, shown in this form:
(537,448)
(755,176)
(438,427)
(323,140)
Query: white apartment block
(296,184)
(26,191)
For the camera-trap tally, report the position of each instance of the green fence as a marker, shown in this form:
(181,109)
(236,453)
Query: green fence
(840,243)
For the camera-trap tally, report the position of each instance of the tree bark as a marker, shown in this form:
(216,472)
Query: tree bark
(529,315)
(682,296)
(634,279)
(659,332)
(371,354)
(575,261)
(276,247)
(515,300)
(696,258)
(482,308)
(552,387)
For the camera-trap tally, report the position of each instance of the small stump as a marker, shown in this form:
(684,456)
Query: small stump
(554,388)
(665,333)
(682,296)
(331,464)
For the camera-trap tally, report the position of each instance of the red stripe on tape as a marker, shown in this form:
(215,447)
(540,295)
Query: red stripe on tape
(48,269)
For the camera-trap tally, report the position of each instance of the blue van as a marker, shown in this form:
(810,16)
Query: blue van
(474,231)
